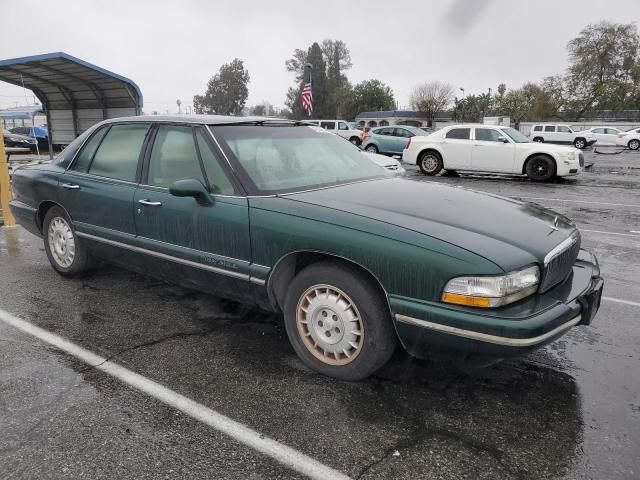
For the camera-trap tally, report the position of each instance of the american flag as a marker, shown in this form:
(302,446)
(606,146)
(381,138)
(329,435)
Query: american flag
(306,97)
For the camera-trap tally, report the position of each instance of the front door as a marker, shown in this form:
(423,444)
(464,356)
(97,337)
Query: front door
(400,138)
(490,153)
(204,246)
(98,189)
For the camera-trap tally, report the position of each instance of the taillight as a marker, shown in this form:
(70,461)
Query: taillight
(620,135)
(408,144)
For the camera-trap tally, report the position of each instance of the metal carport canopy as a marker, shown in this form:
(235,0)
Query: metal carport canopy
(75,94)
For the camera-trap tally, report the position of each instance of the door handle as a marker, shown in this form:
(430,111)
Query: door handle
(149,203)
(71,186)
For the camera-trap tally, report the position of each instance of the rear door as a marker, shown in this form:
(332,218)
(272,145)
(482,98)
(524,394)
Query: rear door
(98,189)
(204,246)
(456,149)
(490,153)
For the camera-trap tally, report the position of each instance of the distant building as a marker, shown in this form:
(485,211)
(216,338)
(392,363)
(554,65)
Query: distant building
(398,117)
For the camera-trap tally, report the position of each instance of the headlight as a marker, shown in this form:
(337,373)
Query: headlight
(492,291)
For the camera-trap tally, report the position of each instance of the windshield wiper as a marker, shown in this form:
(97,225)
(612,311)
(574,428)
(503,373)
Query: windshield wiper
(267,122)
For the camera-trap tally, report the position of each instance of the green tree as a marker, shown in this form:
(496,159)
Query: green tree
(318,71)
(367,96)
(227,91)
(338,59)
(602,67)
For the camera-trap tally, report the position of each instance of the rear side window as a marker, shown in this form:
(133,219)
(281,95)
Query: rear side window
(117,156)
(537,128)
(86,155)
(550,128)
(459,133)
(328,125)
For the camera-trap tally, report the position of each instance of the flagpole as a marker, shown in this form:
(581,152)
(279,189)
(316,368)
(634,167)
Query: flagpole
(310,70)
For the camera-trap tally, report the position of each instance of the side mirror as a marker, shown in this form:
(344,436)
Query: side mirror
(191,188)
(503,139)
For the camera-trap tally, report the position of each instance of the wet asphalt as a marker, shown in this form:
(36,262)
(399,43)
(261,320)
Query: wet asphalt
(570,410)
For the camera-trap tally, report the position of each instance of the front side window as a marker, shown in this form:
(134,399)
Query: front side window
(563,129)
(280,159)
(218,178)
(343,126)
(550,128)
(459,133)
(487,135)
(515,135)
(328,125)
(401,132)
(117,156)
(173,157)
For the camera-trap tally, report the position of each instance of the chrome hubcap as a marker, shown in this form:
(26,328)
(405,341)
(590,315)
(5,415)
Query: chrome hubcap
(330,325)
(429,163)
(61,242)
(579,144)
(634,145)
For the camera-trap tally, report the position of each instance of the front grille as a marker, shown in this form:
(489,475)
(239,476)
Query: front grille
(560,265)
(581,159)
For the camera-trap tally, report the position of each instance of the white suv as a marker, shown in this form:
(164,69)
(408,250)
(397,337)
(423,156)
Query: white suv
(563,134)
(339,127)
(630,139)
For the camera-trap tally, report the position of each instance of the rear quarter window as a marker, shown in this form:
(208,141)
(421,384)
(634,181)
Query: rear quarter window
(459,133)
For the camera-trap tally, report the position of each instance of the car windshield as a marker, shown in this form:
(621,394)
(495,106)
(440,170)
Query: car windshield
(280,159)
(515,135)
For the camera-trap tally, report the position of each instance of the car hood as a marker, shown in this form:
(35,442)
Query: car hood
(15,137)
(507,232)
(549,147)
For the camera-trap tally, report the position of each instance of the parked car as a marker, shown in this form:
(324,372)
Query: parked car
(281,216)
(21,141)
(604,135)
(40,134)
(391,165)
(485,148)
(630,139)
(390,140)
(562,134)
(429,130)
(339,127)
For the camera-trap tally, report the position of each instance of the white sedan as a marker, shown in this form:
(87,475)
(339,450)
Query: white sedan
(485,148)
(630,139)
(604,135)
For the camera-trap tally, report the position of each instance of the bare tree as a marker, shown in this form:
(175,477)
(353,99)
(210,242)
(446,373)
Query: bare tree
(431,98)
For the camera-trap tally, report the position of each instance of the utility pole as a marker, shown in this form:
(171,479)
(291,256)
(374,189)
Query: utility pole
(5,190)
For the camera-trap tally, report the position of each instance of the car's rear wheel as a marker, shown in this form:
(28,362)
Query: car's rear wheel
(371,148)
(338,321)
(538,139)
(634,144)
(355,141)
(541,168)
(66,254)
(430,162)
(580,143)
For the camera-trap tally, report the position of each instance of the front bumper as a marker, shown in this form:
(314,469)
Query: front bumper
(433,328)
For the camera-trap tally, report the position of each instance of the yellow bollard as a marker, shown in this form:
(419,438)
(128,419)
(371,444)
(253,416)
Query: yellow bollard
(5,189)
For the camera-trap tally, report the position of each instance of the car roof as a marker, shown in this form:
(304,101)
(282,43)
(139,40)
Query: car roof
(195,119)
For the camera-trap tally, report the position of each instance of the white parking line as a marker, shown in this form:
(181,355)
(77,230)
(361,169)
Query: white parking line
(239,432)
(577,201)
(617,300)
(610,233)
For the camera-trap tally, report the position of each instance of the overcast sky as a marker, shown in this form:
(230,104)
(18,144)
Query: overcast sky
(171,48)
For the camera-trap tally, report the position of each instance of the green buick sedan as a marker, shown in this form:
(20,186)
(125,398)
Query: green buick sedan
(279,215)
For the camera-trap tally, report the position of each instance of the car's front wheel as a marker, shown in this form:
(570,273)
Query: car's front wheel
(355,141)
(634,144)
(338,321)
(541,168)
(66,254)
(580,143)
(538,140)
(430,163)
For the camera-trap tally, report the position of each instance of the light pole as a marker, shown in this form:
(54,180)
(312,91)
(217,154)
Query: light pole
(463,102)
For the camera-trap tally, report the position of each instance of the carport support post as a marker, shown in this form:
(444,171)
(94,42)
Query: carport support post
(5,190)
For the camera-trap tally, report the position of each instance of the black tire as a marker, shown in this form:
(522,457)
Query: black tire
(580,143)
(634,144)
(371,148)
(377,340)
(356,141)
(81,262)
(430,162)
(540,168)
(538,139)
